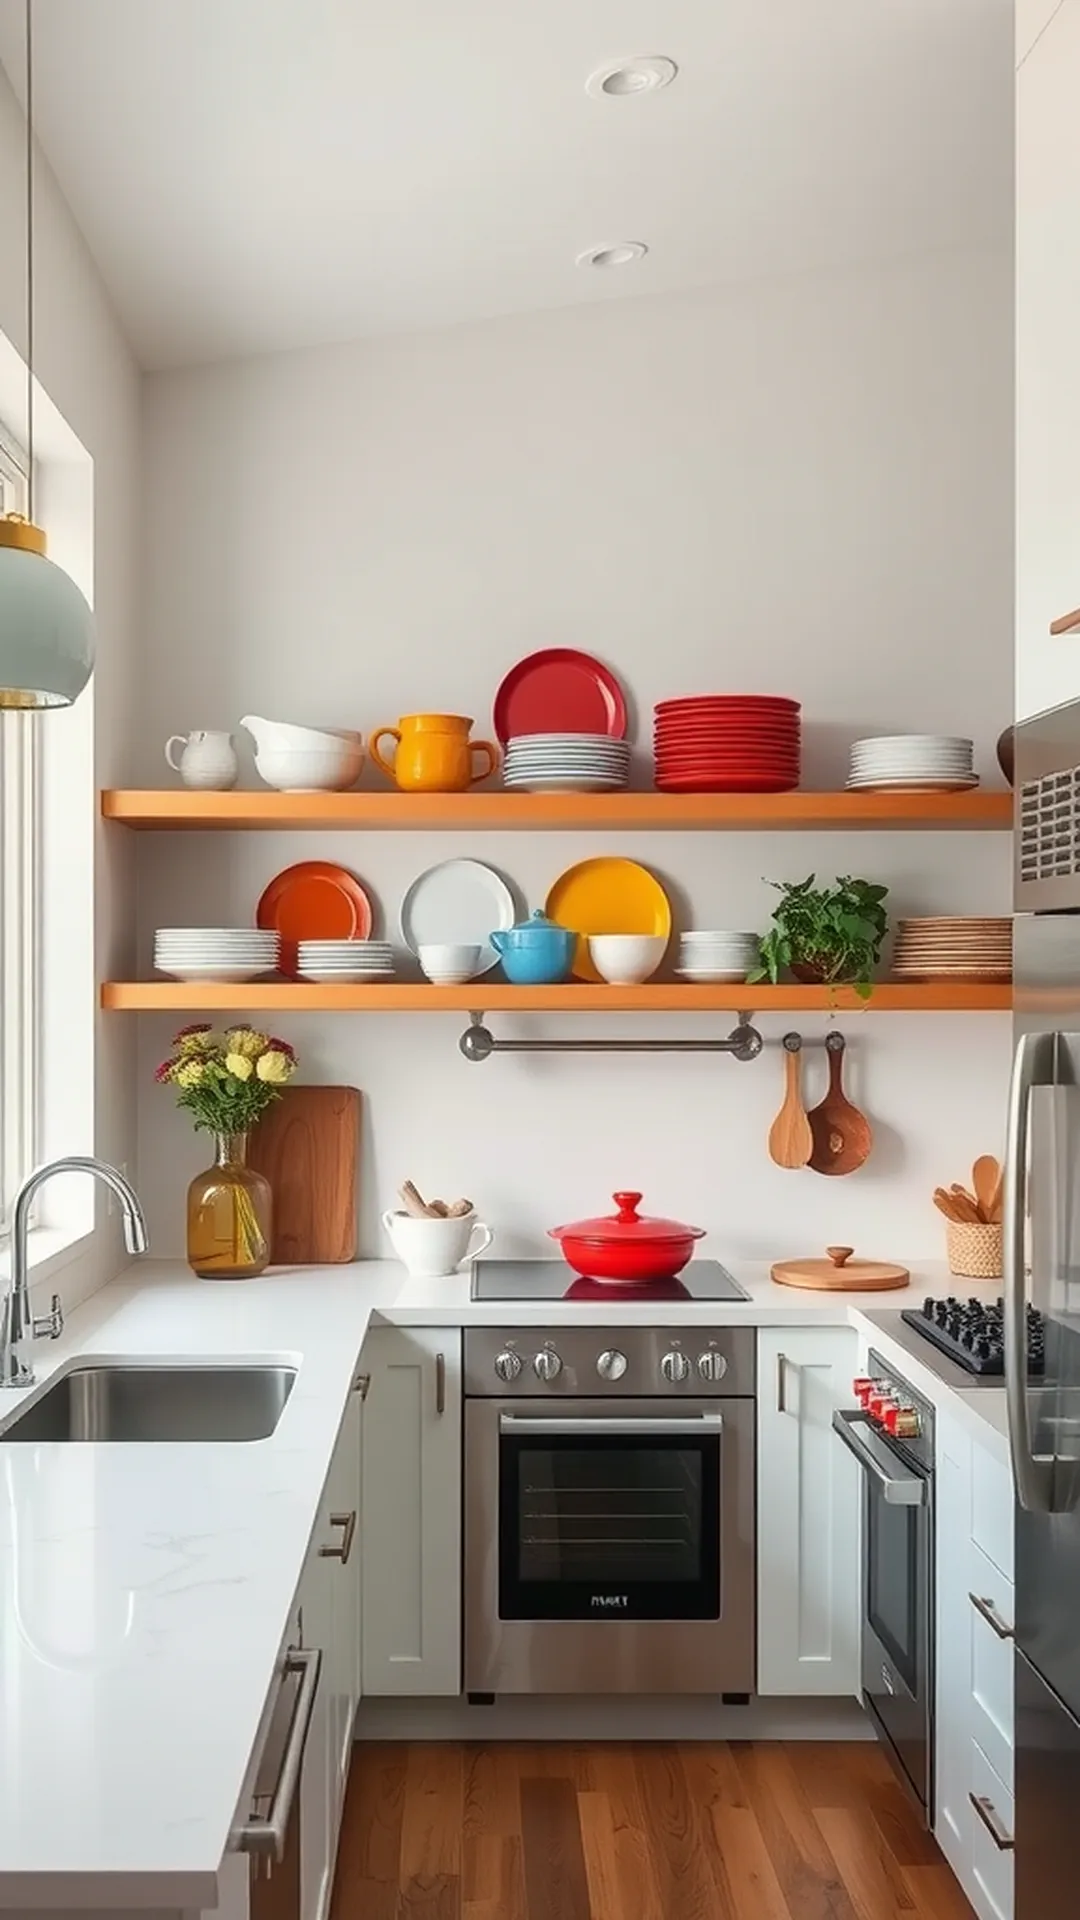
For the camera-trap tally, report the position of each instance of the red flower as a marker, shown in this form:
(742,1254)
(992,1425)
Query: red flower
(199,1026)
(162,1073)
(281,1046)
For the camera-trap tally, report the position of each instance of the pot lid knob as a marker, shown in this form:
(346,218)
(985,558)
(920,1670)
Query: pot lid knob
(627,1204)
(839,1255)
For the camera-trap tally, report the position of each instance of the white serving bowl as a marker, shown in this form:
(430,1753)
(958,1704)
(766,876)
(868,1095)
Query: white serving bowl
(449,963)
(328,769)
(626,959)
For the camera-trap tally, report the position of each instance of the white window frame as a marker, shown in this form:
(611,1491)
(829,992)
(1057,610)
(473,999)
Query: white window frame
(20,906)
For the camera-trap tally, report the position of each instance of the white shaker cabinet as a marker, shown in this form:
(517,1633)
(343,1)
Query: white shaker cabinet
(809,1505)
(411,1502)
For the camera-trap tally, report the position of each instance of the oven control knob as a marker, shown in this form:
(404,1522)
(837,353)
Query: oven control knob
(675,1367)
(611,1365)
(507,1365)
(547,1365)
(711,1366)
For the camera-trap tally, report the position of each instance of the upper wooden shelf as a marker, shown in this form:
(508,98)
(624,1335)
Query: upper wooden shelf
(615,812)
(280,996)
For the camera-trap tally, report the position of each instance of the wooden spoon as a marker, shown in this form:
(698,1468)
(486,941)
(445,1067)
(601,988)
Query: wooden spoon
(790,1139)
(842,1136)
(946,1204)
(966,1205)
(986,1180)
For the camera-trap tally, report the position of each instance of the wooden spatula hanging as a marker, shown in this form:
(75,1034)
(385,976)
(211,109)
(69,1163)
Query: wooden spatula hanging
(842,1136)
(790,1139)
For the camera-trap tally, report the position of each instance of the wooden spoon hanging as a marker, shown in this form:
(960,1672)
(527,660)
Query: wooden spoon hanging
(842,1136)
(790,1139)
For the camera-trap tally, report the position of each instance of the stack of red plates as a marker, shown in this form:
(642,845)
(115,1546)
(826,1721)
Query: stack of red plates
(727,743)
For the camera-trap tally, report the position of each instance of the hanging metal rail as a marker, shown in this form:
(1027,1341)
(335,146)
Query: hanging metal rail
(477,1043)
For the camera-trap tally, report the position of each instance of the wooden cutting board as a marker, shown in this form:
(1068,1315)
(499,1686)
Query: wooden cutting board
(307,1145)
(839,1273)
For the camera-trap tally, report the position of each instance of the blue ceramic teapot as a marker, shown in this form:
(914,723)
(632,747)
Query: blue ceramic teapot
(536,952)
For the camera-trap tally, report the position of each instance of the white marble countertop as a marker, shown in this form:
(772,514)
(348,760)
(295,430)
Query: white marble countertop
(145,1591)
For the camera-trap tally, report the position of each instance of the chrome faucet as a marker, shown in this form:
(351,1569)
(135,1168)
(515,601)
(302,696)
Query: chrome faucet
(18,1327)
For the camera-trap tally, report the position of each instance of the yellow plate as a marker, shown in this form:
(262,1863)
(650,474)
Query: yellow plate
(607,895)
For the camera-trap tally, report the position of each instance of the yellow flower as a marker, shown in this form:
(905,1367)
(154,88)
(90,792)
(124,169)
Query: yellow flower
(274,1067)
(247,1042)
(194,1040)
(189,1073)
(238,1066)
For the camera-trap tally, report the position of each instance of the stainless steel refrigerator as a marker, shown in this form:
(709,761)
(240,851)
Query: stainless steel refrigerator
(1042,1265)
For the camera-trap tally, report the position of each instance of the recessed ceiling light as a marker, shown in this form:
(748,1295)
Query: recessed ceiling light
(625,79)
(619,253)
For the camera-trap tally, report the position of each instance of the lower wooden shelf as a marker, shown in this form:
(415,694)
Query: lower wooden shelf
(289,996)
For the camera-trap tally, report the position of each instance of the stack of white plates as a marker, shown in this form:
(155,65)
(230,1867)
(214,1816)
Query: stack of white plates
(566,763)
(343,962)
(716,956)
(215,953)
(914,762)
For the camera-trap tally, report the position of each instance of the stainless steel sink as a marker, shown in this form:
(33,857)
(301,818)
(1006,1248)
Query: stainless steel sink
(143,1402)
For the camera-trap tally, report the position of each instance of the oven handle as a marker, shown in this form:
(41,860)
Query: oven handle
(898,1490)
(556,1423)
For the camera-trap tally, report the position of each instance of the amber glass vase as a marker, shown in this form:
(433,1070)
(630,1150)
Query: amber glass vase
(228,1215)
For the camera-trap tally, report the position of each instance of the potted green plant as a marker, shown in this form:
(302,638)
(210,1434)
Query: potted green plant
(827,936)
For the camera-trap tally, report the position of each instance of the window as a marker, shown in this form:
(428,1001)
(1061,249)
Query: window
(20,809)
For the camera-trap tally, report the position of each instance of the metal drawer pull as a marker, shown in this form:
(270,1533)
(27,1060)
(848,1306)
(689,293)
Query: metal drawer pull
(991,1615)
(344,1547)
(266,1838)
(991,1820)
(440,1383)
(781,1383)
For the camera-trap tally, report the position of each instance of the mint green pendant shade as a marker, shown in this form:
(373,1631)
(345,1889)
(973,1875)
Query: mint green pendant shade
(46,626)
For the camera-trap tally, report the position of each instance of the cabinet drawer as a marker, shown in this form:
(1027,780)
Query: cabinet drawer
(991,1857)
(992,1662)
(992,1509)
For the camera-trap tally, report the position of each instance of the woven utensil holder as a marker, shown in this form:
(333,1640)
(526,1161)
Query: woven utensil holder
(974,1251)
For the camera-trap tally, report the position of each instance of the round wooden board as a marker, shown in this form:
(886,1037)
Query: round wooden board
(856,1276)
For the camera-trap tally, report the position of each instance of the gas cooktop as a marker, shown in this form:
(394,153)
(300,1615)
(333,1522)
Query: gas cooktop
(553,1280)
(972,1333)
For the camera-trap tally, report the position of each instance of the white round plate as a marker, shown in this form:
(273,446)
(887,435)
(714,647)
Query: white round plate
(229,976)
(342,978)
(916,740)
(563,783)
(460,903)
(913,784)
(722,976)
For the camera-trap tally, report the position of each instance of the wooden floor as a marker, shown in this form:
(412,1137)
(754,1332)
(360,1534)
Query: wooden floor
(775,1831)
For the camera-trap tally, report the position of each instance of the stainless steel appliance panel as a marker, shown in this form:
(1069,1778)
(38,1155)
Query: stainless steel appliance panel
(730,1354)
(1047,1790)
(607,1653)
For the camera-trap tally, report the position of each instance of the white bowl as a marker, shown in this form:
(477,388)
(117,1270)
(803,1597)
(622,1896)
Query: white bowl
(329,769)
(280,736)
(717,976)
(626,959)
(448,962)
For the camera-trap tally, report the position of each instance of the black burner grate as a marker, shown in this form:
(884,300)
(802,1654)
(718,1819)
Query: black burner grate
(972,1332)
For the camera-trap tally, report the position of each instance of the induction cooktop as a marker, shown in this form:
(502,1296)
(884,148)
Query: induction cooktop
(554,1280)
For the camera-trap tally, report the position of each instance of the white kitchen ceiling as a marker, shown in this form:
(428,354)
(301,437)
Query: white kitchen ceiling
(256,174)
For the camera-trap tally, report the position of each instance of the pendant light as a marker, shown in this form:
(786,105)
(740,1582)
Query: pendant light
(46,626)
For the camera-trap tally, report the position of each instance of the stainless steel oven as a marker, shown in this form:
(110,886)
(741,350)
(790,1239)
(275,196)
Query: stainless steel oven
(609,1511)
(892,1438)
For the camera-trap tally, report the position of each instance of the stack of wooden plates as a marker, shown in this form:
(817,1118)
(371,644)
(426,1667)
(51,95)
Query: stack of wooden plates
(954,947)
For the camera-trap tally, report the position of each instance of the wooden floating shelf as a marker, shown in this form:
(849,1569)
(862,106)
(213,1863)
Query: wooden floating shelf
(567,812)
(288,996)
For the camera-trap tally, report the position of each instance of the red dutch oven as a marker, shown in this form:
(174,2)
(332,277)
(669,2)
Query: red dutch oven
(627,1248)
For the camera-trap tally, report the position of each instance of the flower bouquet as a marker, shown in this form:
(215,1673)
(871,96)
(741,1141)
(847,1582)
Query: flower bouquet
(226,1082)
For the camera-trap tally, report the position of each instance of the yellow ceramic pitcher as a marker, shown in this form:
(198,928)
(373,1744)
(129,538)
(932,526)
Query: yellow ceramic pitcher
(434,753)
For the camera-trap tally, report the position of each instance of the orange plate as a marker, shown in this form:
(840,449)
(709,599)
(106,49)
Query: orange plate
(314,901)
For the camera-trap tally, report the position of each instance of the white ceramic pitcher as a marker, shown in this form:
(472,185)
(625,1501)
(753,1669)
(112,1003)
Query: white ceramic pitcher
(206,760)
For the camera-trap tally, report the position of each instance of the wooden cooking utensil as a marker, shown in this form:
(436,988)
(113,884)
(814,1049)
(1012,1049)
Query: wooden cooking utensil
(986,1180)
(946,1204)
(839,1273)
(790,1139)
(996,1207)
(307,1145)
(842,1136)
(967,1207)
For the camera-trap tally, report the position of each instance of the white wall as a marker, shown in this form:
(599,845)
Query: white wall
(86,368)
(1047,364)
(800,487)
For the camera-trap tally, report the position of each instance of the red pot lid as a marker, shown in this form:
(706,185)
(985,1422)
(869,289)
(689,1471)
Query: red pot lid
(627,1225)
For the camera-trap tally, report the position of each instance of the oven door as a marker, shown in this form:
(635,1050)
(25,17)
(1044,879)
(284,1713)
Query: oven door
(898,1582)
(594,1525)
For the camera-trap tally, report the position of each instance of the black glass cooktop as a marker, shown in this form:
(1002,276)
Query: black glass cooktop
(553,1280)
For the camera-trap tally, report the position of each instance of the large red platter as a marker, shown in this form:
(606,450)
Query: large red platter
(559,690)
(728,702)
(726,783)
(314,900)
